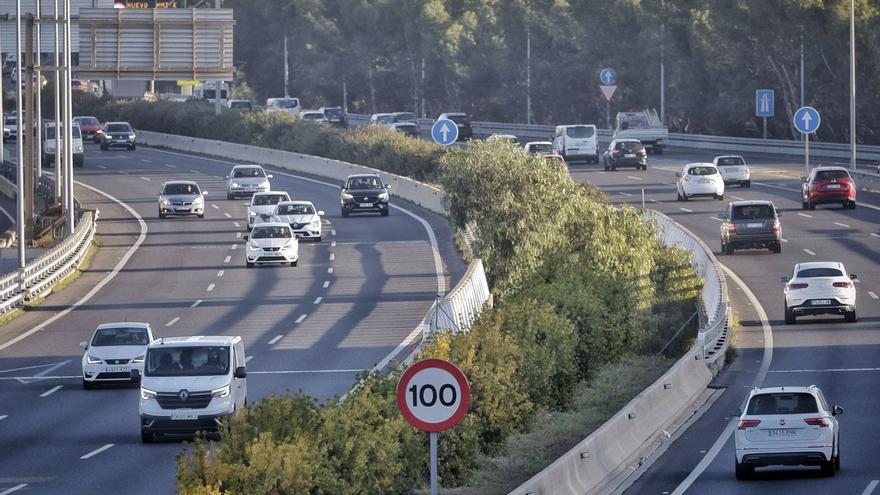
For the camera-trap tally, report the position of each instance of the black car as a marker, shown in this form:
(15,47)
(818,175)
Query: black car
(364,193)
(408,128)
(461,119)
(119,134)
(335,116)
(751,225)
(626,153)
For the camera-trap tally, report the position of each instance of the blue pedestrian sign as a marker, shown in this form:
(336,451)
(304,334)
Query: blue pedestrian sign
(807,120)
(764,103)
(444,132)
(608,76)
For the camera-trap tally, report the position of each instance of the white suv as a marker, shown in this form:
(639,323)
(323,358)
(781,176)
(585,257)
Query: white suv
(734,170)
(790,426)
(191,384)
(820,288)
(113,351)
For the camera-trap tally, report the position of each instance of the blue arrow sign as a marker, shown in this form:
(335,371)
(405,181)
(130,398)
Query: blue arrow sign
(608,76)
(764,103)
(444,131)
(807,120)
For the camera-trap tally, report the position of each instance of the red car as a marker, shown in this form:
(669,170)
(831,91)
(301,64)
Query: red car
(828,185)
(90,128)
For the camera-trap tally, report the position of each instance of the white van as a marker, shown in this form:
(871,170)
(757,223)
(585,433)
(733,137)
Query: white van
(191,384)
(577,142)
(289,105)
(49,145)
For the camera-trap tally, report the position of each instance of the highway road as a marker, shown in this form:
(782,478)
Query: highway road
(353,299)
(841,358)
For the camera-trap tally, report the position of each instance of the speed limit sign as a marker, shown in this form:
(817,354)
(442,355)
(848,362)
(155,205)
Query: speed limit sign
(433,395)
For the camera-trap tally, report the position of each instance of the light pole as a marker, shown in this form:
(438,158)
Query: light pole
(852,84)
(662,67)
(19,148)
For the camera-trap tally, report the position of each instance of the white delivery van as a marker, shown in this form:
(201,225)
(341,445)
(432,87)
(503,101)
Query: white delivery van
(577,142)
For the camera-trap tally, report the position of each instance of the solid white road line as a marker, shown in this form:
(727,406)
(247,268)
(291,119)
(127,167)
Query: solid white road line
(227,259)
(102,167)
(3,416)
(227,215)
(873,234)
(633,177)
(868,489)
(841,225)
(215,206)
(809,252)
(210,287)
(332,256)
(737,198)
(196,303)
(624,193)
(872,294)
(318,300)
(172,321)
(326,284)
(170,165)
(220,273)
(301,318)
(685,209)
(100,285)
(275,339)
(805,215)
(51,391)
(97,451)
(146,179)
(14,489)
(829,370)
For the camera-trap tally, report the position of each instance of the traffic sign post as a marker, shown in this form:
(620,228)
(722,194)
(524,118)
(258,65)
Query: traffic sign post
(608,78)
(764,105)
(433,395)
(444,132)
(806,121)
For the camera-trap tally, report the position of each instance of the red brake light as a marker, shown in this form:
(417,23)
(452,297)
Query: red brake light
(816,422)
(687,177)
(775,227)
(748,423)
(842,285)
(617,152)
(798,286)
(731,229)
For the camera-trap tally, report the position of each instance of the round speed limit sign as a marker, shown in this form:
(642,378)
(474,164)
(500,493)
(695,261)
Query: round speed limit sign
(433,395)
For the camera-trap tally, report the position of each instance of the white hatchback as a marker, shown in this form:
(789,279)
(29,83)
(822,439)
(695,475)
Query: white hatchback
(271,242)
(820,288)
(788,426)
(734,170)
(113,351)
(699,180)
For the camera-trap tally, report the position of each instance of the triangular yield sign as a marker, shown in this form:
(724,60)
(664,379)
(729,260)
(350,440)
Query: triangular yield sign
(608,90)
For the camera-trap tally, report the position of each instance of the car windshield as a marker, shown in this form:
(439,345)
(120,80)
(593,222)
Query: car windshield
(171,189)
(753,212)
(118,128)
(243,173)
(287,103)
(633,121)
(384,119)
(832,174)
(782,403)
(269,199)
(187,361)
(579,132)
(459,119)
(541,148)
(702,171)
(275,232)
(405,117)
(629,145)
(120,336)
(364,183)
(731,161)
(240,105)
(50,132)
(295,210)
(819,272)
(88,121)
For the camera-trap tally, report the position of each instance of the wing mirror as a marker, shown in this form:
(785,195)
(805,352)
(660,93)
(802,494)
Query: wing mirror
(225,176)
(784,280)
(84,345)
(240,372)
(803,179)
(736,412)
(246,204)
(204,193)
(387,186)
(678,174)
(320,213)
(836,410)
(269,176)
(245,237)
(853,276)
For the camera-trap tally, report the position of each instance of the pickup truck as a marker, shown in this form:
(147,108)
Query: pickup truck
(644,126)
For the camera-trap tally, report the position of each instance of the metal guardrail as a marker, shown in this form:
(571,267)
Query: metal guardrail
(458,310)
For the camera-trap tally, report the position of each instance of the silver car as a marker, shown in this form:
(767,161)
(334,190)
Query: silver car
(181,197)
(245,180)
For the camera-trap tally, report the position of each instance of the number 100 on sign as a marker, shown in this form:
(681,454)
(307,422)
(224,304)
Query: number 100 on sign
(433,395)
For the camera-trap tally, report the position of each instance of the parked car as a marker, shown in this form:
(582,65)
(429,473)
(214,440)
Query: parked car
(261,207)
(533,148)
(90,127)
(244,105)
(191,384)
(408,128)
(625,153)
(577,142)
(49,143)
(504,138)
(118,134)
(289,105)
(113,351)
(363,193)
(335,116)
(820,288)
(699,180)
(245,180)
(462,121)
(180,198)
(828,185)
(313,116)
(751,225)
(734,170)
(382,119)
(789,426)
(303,218)
(271,242)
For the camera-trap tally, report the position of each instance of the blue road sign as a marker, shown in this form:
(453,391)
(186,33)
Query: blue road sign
(764,103)
(807,120)
(444,132)
(608,76)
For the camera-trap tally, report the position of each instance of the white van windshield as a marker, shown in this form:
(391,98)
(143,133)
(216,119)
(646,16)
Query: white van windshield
(579,132)
(187,361)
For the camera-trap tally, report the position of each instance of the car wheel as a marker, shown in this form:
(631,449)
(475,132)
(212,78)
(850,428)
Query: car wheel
(828,468)
(87,385)
(229,196)
(249,264)
(293,263)
(132,147)
(729,250)
(202,215)
(719,197)
(852,205)
(344,212)
(836,460)
(805,204)
(613,168)
(747,184)
(777,247)
(790,318)
(147,437)
(318,239)
(161,216)
(744,472)
(851,317)
(678,195)
(606,166)
(385,212)
(644,167)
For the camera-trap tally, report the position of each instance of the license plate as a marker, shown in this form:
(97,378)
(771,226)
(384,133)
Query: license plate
(820,302)
(182,210)
(781,432)
(184,416)
(630,155)
(754,225)
(118,369)
(366,205)
(833,186)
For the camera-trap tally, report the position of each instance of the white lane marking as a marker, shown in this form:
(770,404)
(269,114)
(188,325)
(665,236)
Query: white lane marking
(236,224)
(14,489)
(227,259)
(326,284)
(247,359)
(759,379)
(623,193)
(210,287)
(685,209)
(97,451)
(301,318)
(330,270)
(327,222)
(220,273)
(873,234)
(102,167)
(861,205)
(51,391)
(196,303)
(215,206)
(784,240)
(828,370)
(841,225)
(333,244)
(123,172)
(227,215)
(809,252)
(218,177)
(601,172)
(332,231)
(304,372)
(653,200)
(195,171)
(737,198)
(318,300)
(172,321)
(25,368)
(633,177)
(234,247)
(146,179)
(238,235)
(868,489)
(25,379)
(332,256)
(170,165)
(716,219)
(805,215)
(275,339)
(3,416)
(100,285)
(872,294)
(146,160)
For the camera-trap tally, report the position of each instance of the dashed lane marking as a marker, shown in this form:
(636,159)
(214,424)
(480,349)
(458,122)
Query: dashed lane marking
(97,451)
(332,256)
(227,215)
(215,206)
(332,244)
(172,321)
(873,234)
(102,167)
(332,231)
(872,294)
(326,284)
(826,370)
(685,210)
(716,219)
(318,300)
(238,235)
(3,416)
(805,215)
(195,171)
(247,359)
(737,198)
(234,247)
(624,193)
(275,339)
(210,287)
(841,225)
(220,273)
(784,240)
(146,179)
(196,303)
(170,165)
(146,160)
(868,489)
(330,270)
(301,318)
(123,172)
(633,177)
(227,259)
(809,252)
(236,225)
(51,391)
(653,200)
(14,489)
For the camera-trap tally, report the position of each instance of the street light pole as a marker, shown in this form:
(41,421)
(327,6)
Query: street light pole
(38,109)
(852,83)
(59,172)
(67,123)
(662,67)
(19,148)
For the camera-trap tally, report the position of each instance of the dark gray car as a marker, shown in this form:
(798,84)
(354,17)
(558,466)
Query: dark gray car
(751,225)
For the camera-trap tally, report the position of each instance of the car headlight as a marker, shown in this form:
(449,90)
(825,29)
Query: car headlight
(253,245)
(265,185)
(289,245)
(139,359)
(220,392)
(147,394)
(383,196)
(165,202)
(92,359)
(252,213)
(316,223)
(347,196)
(236,184)
(131,136)
(199,200)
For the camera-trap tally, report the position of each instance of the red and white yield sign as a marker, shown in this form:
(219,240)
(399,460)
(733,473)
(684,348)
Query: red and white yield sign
(433,395)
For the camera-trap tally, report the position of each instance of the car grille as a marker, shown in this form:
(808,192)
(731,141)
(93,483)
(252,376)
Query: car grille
(195,400)
(367,198)
(181,203)
(296,226)
(116,361)
(271,249)
(263,259)
(116,375)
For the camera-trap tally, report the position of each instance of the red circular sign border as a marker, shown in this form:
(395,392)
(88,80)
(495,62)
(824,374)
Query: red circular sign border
(459,377)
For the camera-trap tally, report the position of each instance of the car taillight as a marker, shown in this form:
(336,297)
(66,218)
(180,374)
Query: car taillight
(797,286)
(842,285)
(816,422)
(687,177)
(731,229)
(748,423)
(642,153)
(775,227)
(617,153)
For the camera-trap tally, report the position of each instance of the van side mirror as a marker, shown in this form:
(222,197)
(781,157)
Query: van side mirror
(84,345)
(387,186)
(225,176)
(245,237)
(836,410)
(320,213)
(803,179)
(204,193)
(135,375)
(342,187)
(240,372)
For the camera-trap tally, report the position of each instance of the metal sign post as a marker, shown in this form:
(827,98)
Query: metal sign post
(764,105)
(806,121)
